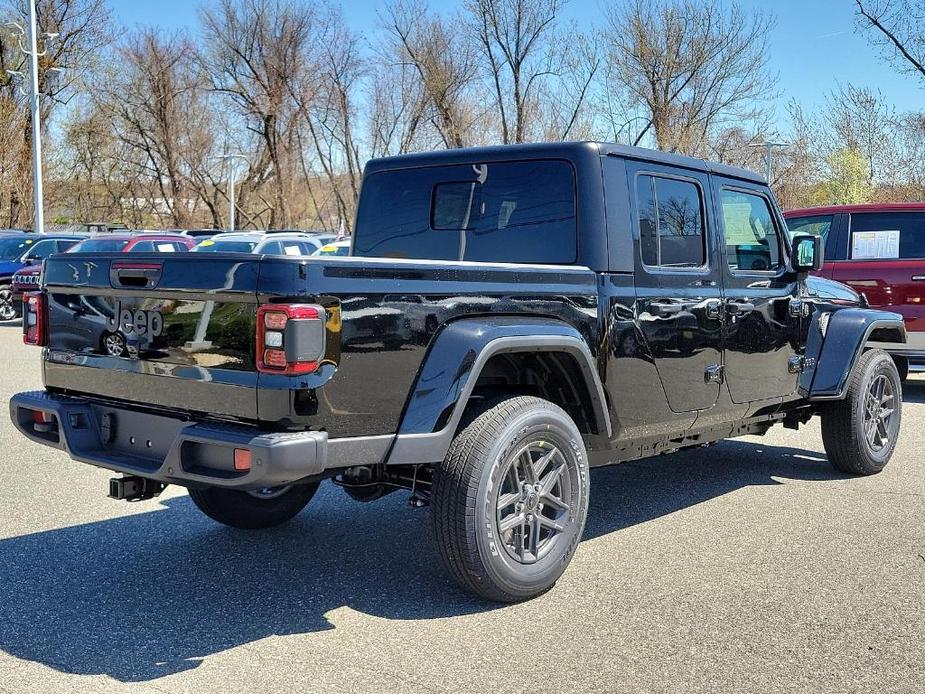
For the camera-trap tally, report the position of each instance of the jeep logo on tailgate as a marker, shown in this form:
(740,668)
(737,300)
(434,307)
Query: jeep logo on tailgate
(137,322)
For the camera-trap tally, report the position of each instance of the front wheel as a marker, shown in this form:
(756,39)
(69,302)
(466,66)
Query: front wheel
(510,500)
(253,510)
(7,305)
(859,433)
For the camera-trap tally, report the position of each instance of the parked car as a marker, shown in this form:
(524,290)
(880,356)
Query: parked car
(334,248)
(879,251)
(23,250)
(604,311)
(148,242)
(261,242)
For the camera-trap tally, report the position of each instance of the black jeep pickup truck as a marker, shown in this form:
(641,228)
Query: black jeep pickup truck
(510,318)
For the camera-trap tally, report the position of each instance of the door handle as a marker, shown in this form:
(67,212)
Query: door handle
(918,278)
(714,309)
(657,308)
(738,308)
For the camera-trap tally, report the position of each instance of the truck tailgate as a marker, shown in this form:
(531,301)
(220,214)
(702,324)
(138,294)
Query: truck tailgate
(175,332)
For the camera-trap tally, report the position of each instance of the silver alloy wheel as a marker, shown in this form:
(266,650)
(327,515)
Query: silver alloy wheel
(531,507)
(879,408)
(114,344)
(7,310)
(270,492)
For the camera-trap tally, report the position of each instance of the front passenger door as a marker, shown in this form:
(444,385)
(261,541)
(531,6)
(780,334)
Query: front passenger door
(762,326)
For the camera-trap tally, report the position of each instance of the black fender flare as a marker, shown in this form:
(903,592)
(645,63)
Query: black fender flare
(834,344)
(452,366)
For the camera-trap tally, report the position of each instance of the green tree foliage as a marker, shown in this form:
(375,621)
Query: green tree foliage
(847,181)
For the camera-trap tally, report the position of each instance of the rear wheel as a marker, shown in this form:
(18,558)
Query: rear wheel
(510,500)
(860,432)
(253,510)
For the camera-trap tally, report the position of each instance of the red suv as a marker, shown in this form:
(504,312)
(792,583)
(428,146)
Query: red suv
(879,251)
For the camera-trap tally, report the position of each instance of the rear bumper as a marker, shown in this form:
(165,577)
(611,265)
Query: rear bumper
(168,449)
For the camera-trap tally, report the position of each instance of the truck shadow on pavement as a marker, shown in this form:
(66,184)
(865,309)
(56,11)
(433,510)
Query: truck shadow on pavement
(151,594)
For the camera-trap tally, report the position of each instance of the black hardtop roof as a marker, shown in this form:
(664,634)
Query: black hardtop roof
(569,150)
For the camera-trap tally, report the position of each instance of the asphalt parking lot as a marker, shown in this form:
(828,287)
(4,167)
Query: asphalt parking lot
(747,567)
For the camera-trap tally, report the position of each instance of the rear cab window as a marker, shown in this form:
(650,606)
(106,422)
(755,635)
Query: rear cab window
(887,235)
(515,212)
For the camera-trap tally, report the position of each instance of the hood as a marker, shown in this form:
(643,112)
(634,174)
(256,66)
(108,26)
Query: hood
(7,268)
(830,290)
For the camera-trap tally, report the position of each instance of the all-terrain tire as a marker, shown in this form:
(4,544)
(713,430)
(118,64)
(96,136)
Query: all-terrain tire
(859,438)
(471,485)
(251,511)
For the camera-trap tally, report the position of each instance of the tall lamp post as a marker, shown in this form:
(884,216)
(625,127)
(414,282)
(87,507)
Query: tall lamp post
(34,99)
(231,177)
(768,147)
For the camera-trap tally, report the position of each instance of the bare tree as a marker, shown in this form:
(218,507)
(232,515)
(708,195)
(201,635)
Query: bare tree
(443,57)
(330,112)
(82,27)
(899,26)
(151,95)
(398,109)
(690,65)
(513,38)
(860,119)
(258,54)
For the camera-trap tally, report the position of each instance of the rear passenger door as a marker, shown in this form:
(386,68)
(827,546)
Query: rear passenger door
(678,297)
(762,326)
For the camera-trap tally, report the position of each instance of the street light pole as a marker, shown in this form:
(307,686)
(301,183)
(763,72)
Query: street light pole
(231,177)
(39,223)
(768,146)
(35,105)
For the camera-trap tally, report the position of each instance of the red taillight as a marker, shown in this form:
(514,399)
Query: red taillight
(40,417)
(33,319)
(302,326)
(275,320)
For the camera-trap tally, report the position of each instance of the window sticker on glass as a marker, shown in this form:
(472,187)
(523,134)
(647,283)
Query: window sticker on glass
(873,245)
(165,248)
(292,250)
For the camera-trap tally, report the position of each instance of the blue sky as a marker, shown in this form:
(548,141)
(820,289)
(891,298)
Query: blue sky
(813,48)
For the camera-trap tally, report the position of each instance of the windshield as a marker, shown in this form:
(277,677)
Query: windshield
(100,246)
(212,246)
(12,249)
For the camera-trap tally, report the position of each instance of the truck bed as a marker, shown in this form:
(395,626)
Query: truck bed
(381,315)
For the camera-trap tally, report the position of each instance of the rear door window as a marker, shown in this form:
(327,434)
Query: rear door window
(518,212)
(671,228)
(887,235)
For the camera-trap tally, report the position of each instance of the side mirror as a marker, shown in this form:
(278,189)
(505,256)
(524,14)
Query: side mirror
(806,253)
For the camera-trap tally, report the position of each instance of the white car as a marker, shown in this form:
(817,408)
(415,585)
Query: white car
(261,243)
